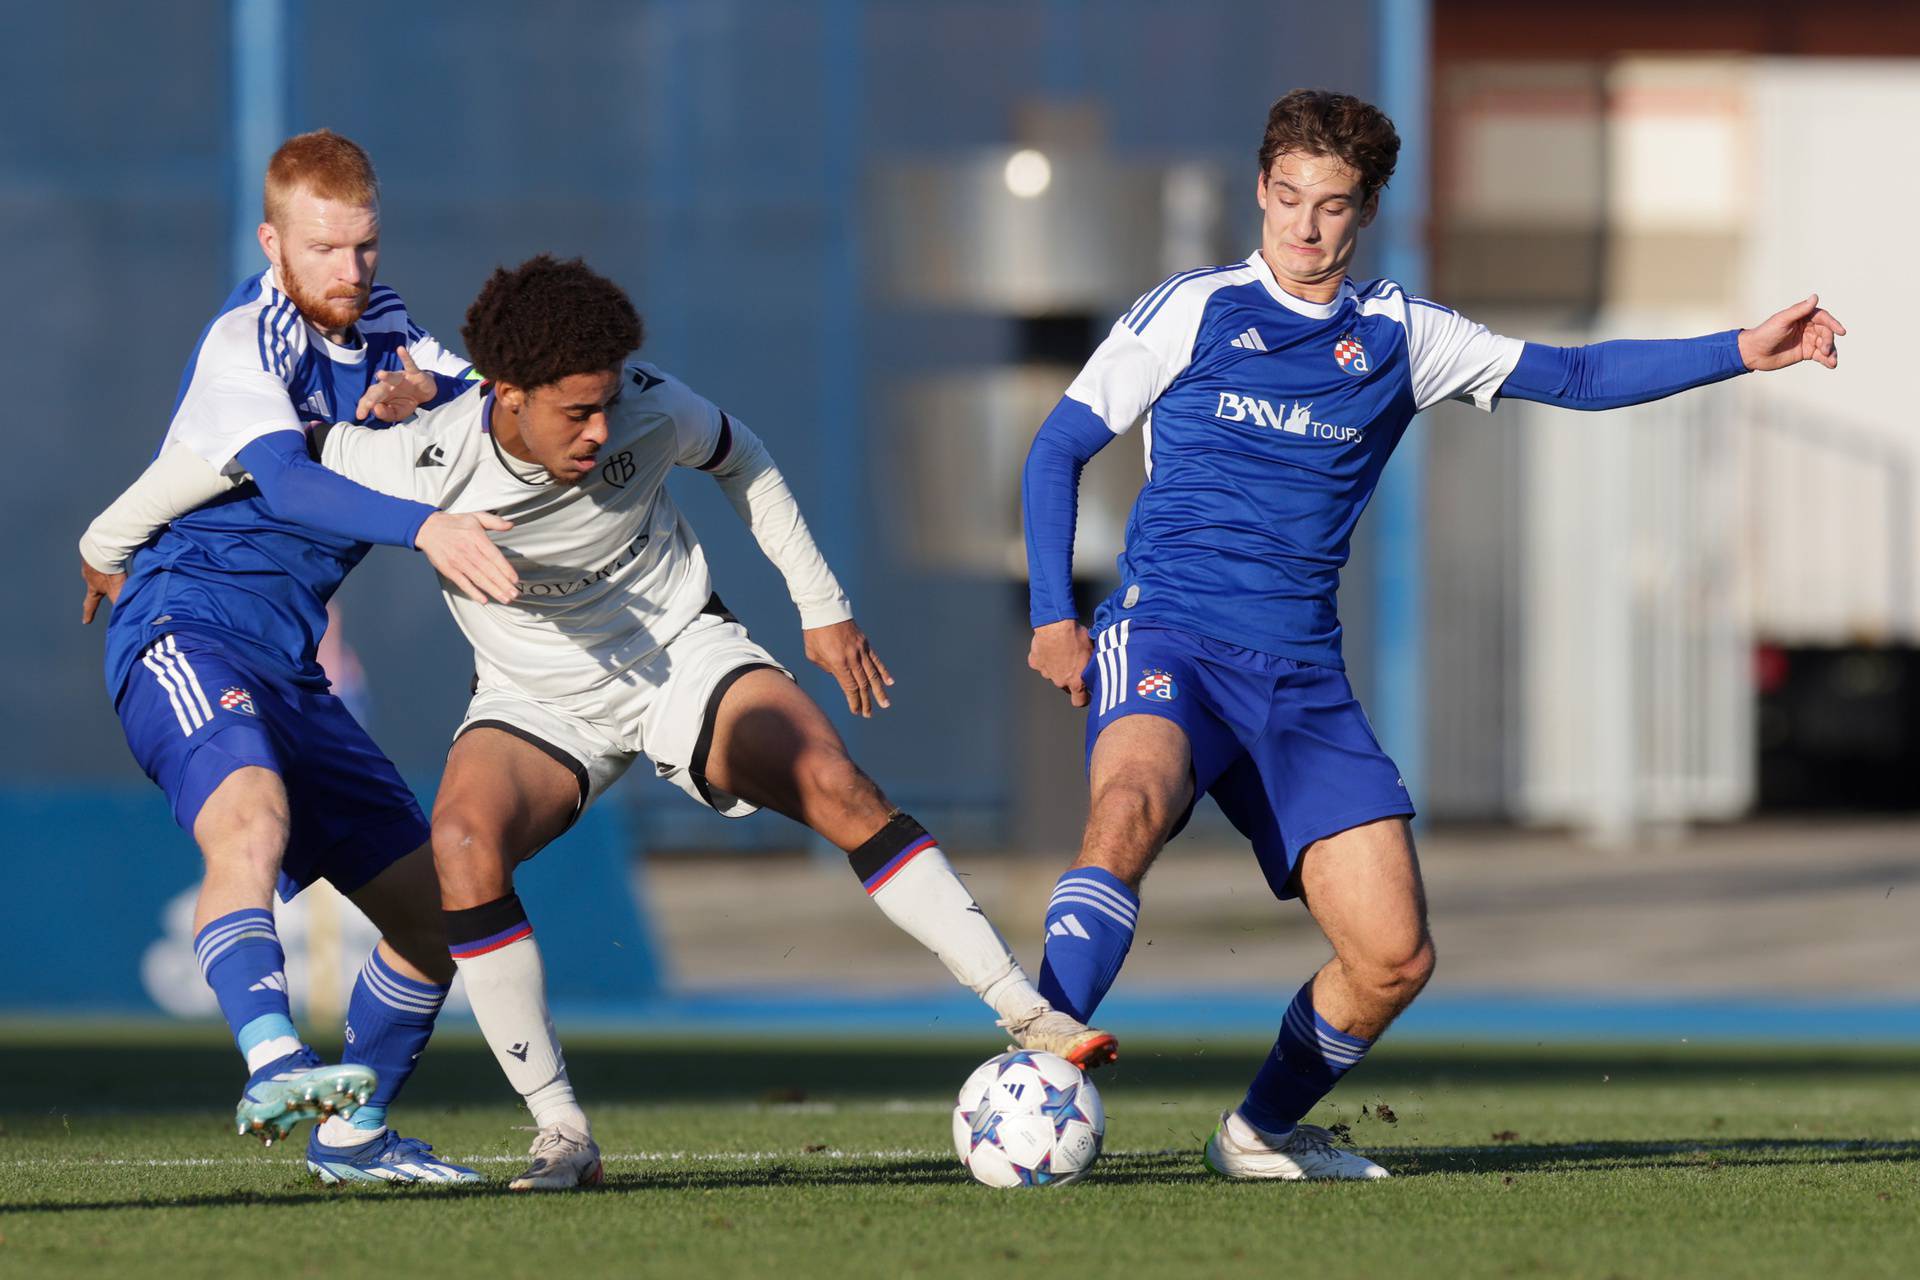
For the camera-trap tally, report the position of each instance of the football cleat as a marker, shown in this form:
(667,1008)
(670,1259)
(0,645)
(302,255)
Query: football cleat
(384,1157)
(1306,1153)
(1047,1030)
(562,1160)
(298,1087)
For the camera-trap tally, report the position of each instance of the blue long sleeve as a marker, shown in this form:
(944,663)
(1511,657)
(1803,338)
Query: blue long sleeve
(1050,504)
(297,488)
(1608,375)
(450,387)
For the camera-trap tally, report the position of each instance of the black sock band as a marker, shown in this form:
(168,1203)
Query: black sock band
(474,931)
(890,849)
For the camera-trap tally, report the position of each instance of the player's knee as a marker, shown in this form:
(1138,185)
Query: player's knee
(1130,806)
(1398,974)
(244,829)
(469,859)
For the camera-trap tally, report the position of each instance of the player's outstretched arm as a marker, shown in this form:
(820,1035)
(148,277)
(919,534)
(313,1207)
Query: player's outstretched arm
(175,483)
(411,469)
(1803,331)
(1610,375)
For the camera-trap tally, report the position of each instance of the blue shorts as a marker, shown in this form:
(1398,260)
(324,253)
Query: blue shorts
(194,711)
(1282,746)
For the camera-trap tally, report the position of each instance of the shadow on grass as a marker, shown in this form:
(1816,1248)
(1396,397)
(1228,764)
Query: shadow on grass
(1163,1168)
(55,1077)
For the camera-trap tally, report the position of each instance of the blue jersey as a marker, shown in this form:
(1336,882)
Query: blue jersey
(1268,421)
(233,570)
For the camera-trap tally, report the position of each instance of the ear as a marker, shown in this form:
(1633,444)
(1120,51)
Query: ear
(1260,189)
(269,242)
(514,398)
(1370,209)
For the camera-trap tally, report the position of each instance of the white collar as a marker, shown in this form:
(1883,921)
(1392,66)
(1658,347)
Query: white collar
(1312,310)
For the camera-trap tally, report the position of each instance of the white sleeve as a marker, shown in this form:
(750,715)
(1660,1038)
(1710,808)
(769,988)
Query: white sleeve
(715,442)
(237,390)
(176,482)
(430,355)
(1145,351)
(425,458)
(1454,358)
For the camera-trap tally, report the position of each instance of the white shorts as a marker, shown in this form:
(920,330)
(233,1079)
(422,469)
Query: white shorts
(662,707)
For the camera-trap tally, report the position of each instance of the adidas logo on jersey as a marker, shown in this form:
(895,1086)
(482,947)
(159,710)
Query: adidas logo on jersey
(1069,926)
(1249,341)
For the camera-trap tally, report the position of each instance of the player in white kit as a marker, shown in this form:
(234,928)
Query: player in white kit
(617,647)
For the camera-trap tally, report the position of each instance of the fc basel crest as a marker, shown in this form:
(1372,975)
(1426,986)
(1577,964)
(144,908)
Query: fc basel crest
(1351,356)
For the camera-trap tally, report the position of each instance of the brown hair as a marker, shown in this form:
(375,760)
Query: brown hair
(1319,122)
(323,163)
(546,320)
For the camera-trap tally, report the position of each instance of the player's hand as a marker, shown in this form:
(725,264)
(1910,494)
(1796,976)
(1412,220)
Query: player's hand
(395,395)
(1804,331)
(1060,652)
(841,650)
(100,586)
(458,546)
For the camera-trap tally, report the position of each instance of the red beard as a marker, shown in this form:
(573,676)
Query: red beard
(324,311)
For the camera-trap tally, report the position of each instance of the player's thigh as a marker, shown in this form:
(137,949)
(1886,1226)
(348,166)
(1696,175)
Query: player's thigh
(212,748)
(1142,765)
(1321,771)
(1364,889)
(773,746)
(1159,731)
(501,799)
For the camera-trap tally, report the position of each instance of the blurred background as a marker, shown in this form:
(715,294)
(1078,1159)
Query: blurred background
(1652,675)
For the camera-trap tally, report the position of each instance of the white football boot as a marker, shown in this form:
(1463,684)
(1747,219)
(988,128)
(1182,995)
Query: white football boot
(1238,1150)
(563,1159)
(1047,1030)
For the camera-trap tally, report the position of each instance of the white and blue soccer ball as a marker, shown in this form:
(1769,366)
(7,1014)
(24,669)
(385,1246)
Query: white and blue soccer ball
(1028,1120)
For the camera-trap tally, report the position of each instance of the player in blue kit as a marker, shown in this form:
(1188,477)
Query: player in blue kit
(210,656)
(1274,390)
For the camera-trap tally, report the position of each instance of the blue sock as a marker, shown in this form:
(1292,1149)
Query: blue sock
(1089,931)
(1307,1061)
(389,1020)
(241,958)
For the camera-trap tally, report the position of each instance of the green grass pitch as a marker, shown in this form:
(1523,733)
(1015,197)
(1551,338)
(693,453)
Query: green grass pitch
(832,1159)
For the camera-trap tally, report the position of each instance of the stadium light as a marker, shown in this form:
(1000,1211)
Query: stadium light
(1028,173)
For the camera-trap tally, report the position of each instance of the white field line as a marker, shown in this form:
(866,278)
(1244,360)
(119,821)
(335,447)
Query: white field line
(768,1157)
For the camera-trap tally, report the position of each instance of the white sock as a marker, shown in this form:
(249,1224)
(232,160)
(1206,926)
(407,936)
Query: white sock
(507,988)
(339,1131)
(926,899)
(270,1050)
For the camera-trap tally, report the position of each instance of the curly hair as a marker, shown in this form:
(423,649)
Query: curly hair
(1319,122)
(545,320)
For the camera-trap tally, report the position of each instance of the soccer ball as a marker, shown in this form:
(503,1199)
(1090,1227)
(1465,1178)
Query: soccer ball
(1028,1120)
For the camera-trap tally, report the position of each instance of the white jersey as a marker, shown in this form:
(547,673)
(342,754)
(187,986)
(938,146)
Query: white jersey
(609,570)
(261,368)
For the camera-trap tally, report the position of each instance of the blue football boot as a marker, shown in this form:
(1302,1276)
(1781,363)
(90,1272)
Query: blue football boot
(297,1087)
(385,1157)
